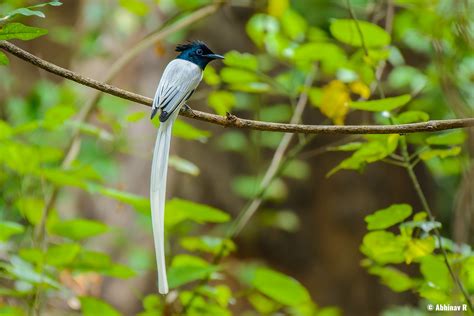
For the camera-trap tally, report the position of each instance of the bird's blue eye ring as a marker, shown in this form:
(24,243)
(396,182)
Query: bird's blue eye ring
(199,51)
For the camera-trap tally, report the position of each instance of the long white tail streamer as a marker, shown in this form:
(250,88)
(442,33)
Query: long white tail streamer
(159,172)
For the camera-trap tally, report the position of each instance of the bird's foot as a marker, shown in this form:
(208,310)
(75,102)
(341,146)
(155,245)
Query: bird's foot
(188,109)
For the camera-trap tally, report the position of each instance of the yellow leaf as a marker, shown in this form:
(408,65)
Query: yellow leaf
(417,248)
(335,101)
(360,88)
(277,7)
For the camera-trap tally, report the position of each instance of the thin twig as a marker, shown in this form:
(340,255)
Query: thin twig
(427,209)
(245,216)
(236,122)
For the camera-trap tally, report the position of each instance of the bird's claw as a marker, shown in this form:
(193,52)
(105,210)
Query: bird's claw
(187,108)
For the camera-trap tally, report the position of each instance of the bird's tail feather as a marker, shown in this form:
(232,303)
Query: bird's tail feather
(157,196)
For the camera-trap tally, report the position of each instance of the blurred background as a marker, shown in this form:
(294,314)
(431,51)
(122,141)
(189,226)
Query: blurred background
(261,223)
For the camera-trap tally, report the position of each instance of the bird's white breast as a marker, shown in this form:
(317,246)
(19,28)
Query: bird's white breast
(180,72)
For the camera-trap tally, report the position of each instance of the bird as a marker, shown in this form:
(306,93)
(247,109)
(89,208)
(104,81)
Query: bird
(178,82)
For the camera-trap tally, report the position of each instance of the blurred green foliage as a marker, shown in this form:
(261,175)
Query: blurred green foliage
(290,38)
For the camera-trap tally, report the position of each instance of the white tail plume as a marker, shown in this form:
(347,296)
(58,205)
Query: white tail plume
(159,171)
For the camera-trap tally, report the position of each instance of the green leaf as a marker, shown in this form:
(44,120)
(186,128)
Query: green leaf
(347,147)
(21,158)
(118,271)
(280,287)
(140,203)
(92,261)
(22,270)
(6,131)
(285,220)
(151,303)
(92,306)
(4,59)
(178,210)
(403,77)
(297,169)
(26,12)
(467,273)
(251,87)
(267,139)
(387,217)
(383,247)
(92,130)
(324,52)
(11,311)
(137,7)
(241,60)
(435,271)
(316,34)
(31,208)
(249,186)
(412,117)
(191,4)
(276,113)
(294,25)
(78,229)
(236,75)
(279,45)
(33,255)
(450,138)
(277,7)
(99,262)
(20,31)
(57,115)
(331,56)
(135,116)
(379,147)
(232,141)
(393,278)
(210,244)
(419,248)
(347,31)
(210,76)
(8,229)
(63,177)
(221,294)
(199,306)
(440,153)
(30,12)
(386,104)
(262,304)
(221,101)
(63,254)
(183,165)
(186,268)
(184,130)
(259,26)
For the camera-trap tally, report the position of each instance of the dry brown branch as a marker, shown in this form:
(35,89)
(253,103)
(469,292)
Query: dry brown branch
(234,121)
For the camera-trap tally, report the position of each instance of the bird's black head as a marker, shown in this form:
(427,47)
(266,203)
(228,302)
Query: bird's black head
(197,52)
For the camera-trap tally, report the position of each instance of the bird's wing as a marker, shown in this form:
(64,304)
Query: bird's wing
(179,80)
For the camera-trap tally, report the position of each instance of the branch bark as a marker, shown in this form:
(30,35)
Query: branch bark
(234,121)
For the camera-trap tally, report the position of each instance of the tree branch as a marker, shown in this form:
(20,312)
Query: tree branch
(232,120)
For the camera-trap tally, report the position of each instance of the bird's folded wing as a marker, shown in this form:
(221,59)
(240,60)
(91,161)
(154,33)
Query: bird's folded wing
(179,80)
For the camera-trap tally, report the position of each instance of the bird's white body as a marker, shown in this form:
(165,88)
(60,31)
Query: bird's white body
(177,83)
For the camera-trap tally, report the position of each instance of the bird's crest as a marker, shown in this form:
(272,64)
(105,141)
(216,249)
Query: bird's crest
(189,45)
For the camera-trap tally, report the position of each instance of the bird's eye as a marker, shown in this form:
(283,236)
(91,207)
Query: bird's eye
(199,51)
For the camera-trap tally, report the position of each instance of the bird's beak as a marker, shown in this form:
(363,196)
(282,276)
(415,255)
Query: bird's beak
(214,56)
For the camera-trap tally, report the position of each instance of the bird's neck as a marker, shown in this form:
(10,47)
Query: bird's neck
(201,62)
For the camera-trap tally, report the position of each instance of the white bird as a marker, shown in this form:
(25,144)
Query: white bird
(178,82)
